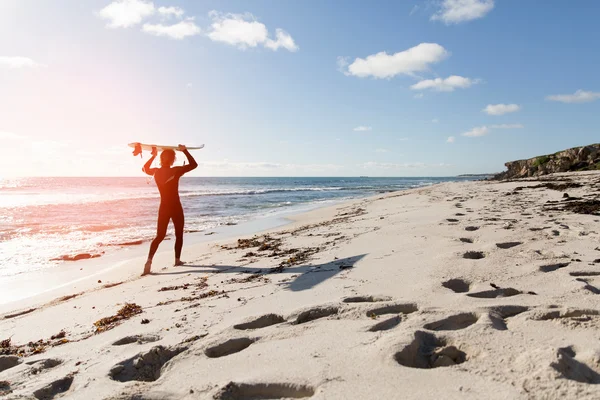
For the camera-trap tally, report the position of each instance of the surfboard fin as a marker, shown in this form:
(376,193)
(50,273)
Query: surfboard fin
(137,150)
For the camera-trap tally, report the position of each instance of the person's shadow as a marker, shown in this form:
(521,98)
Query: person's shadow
(305,276)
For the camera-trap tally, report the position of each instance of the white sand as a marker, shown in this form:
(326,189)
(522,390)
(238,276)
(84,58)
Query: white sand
(403,335)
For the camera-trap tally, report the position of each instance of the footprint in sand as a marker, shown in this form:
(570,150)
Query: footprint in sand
(457,285)
(429,351)
(315,313)
(145,367)
(386,324)
(43,364)
(495,293)
(499,314)
(452,220)
(588,286)
(585,273)
(474,255)
(570,368)
(399,308)
(366,299)
(553,267)
(260,322)
(574,313)
(54,389)
(139,339)
(242,391)
(453,322)
(508,245)
(471,228)
(7,362)
(467,240)
(229,347)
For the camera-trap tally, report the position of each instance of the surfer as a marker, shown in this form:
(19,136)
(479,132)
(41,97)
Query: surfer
(167,181)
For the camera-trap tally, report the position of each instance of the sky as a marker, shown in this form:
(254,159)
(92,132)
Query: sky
(295,88)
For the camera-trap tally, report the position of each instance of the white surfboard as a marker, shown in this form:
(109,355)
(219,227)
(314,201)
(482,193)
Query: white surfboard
(138,147)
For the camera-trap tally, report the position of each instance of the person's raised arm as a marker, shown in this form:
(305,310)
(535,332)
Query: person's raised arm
(192,164)
(147,167)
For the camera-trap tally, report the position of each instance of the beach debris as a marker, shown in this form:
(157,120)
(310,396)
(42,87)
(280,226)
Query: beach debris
(167,288)
(109,285)
(299,257)
(5,388)
(35,347)
(18,314)
(59,335)
(126,312)
(210,293)
(132,243)
(145,321)
(77,257)
(197,286)
(248,279)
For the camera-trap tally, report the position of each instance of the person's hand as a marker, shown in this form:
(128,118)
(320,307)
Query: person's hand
(154,151)
(182,147)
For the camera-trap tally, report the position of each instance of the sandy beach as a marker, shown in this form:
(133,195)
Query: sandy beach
(471,290)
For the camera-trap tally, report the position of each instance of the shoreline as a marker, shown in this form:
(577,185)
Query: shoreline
(49,284)
(498,280)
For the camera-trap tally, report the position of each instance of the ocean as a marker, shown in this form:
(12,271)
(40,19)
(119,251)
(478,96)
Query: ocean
(44,219)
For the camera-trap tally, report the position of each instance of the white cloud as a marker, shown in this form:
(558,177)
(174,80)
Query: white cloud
(283,40)
(445,85)
(419,96)
(501,109)
(243,31)
(177,31)
(414,9)
(580,96)
(435,121)
(478,131)
(407,62)
(189,85)
(18,62)
(450,139)
(378,165)
(126,13)
(381,150)
(363,128)
(342,63)
(457,11)
(507,126)
(171,12)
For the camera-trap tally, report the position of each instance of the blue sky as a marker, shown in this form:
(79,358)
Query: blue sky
(309,88)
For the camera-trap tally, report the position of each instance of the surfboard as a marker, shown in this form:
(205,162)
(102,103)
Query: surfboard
(138,147)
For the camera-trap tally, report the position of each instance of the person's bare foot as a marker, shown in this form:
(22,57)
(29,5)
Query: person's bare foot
(147,268)
(179,263)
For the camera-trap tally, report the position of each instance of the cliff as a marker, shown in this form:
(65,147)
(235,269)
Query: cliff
(583,158)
